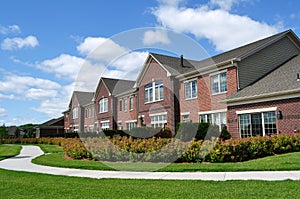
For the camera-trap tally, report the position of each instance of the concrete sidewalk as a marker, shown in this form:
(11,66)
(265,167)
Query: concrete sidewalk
(22,162)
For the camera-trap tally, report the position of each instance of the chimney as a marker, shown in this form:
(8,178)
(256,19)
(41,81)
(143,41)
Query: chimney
(181,61)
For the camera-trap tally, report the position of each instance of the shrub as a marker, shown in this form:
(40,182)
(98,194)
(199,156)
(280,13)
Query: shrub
(225,135)
(144,132)
(186,131)
(76,150)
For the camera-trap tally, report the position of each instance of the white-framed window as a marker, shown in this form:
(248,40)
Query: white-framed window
(120,126)
(75,113)
(125,104)
(120,105)
(105,125)
(158,120)
(91,128)
(154,92)
(214,118)
(185,117)
(218,83)
(103,105)
(130,125)
(260,123)
(190,89)
(76,128)
(131,103)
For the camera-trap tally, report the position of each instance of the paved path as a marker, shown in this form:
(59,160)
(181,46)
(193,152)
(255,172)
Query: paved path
(22,162)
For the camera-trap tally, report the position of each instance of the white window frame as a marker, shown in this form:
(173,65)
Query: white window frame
(131,124)
(131,103)
(103,105)
(158,119)
(150,92)
(75,113)
(190,85)
(125,104)
(105,124)
(215,117)
(262,112)
(218,76)
(120,105)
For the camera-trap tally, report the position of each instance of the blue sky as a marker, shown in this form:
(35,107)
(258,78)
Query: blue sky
(44,45)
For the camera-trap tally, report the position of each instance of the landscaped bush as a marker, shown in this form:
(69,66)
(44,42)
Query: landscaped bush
(76,150)
(52,141)
(254,147)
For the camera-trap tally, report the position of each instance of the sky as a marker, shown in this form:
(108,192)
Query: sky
(48,49)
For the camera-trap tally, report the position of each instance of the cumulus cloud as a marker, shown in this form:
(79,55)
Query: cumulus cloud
(3,112)
(156,37)
(100,48)
(12,29)
(222,28)
(63,66)
(18,43)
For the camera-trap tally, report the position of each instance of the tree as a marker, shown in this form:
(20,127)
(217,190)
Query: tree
(3,132)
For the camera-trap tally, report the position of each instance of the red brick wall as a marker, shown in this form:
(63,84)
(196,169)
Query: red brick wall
(129,114)
(104,93)
(290,110)
(76,121)
(206,100)
(156,73)
(88,121)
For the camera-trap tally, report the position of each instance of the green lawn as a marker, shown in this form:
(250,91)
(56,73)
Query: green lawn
(31,185)
(7,151)
(289,161)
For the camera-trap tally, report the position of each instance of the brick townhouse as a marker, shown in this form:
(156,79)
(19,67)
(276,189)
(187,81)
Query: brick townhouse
(253,89)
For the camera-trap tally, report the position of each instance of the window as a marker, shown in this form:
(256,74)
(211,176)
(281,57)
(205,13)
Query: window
(120,127)
(131,125)
(215,118)
(186,118)
(104,125)
(75,113)
(252,124)
(91,128)
(120,105)
(154,92)
(190,89)
(125,104)
(158,120)
(103,105)
(131,103)
(218,83)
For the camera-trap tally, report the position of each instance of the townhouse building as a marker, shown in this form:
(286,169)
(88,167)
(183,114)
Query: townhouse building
(252,90)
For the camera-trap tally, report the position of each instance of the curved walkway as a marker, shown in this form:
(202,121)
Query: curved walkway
(22,162)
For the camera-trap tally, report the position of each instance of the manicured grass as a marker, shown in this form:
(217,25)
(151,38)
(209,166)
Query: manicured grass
(31,185)
(289,161)
(7,151)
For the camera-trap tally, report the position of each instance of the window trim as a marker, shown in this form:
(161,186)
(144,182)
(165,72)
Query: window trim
(131,103)
(189,82)
(75,114)
(102,103)
(125,104)
(153,88)
(218,74)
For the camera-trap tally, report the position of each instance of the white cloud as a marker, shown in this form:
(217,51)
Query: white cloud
(156,37)
(2,96)
(100,48)
(18,43)
(21,84)
(219,26)
(38,93)
(12,29)
(63,66)
(224,4)
(3,112)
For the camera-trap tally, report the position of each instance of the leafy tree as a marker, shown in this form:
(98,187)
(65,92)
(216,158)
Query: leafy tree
(3,132)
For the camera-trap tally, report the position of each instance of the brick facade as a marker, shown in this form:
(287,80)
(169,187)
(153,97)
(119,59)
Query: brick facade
(129,115)
(289,123)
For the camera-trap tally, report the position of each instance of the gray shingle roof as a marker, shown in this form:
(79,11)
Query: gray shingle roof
(84,98)
(282,79)
(117,86)
(172,64)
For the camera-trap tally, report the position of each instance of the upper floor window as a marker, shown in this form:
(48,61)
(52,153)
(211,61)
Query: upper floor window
(120,105)
(190,89)
(131,103)
(103,105)
(75,113)
(125,104)
(154,92)
(218,83)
